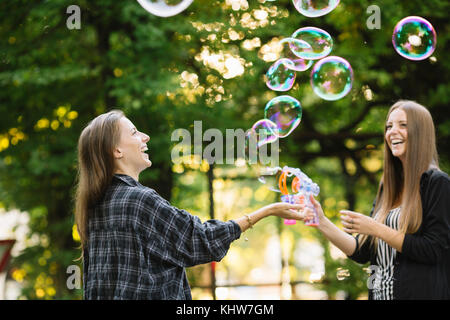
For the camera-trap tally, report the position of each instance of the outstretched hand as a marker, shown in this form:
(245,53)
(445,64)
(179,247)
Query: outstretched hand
(317,209)
(290,211)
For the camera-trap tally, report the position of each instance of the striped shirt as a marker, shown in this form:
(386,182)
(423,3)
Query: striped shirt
(386,256)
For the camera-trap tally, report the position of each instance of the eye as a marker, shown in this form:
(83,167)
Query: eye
(388,126)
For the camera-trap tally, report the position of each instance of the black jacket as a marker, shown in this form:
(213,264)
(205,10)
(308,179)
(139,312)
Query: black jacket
(422,269)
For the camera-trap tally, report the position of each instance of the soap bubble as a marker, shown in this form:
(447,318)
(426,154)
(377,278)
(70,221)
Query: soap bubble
(315,8)
(281,76)
(414,38)
(319,40)
(256,142)
(298,46)
(270,178)
(342,274)
(301,64)
(331,78)
(265,131)
(285,112)
(165,8)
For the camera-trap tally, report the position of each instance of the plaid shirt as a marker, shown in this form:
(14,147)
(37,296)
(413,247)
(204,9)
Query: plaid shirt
(139,245)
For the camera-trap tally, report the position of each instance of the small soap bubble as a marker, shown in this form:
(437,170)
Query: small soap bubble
(269,177)
(368,271)
(414,38)
(285,112)
(165,8)
(332,78)
(261,133)
(298,46)
(319,40)
(342,274)
(281,75)
(315,8)
(265,131)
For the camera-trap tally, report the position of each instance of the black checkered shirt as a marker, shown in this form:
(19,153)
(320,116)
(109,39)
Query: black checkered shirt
(139,245)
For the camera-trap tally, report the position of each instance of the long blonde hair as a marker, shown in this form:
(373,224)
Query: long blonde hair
(404,183)
(95,166)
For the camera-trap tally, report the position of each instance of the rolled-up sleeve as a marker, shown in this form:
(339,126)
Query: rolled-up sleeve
(362,252)
(429,246)
(183,239)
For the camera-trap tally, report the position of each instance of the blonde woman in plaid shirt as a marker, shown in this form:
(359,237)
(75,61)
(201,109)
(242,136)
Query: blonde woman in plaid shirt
(135,244)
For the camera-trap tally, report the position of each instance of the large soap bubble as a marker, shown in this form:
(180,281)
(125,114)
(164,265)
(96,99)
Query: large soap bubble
(332,78)
(414,38)
(165,8)
(315,8)
(319,40)
(285,112)
(281,75)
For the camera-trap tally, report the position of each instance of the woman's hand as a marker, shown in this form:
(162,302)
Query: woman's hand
(317,208)
(355,222)
(289,211)
(279,209)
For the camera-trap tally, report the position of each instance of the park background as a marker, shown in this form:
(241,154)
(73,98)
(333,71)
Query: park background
(207,63)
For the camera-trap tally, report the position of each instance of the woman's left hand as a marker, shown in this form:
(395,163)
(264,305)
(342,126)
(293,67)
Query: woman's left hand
(355,222)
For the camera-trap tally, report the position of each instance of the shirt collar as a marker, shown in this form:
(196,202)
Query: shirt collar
(127,179)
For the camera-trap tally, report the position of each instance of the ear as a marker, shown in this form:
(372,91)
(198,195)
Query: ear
(117,153)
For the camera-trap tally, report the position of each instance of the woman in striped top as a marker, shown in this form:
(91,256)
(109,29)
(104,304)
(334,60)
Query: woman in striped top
(407,234)
(385,261)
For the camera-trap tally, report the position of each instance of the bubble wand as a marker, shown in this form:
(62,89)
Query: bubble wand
(302,188)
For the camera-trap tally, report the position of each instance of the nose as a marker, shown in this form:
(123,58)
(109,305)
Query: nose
(145,138)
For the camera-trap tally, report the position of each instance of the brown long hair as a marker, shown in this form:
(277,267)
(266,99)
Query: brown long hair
(404,183)
(95,166)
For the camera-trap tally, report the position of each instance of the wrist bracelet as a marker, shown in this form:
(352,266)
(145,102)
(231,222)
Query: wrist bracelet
(249,221)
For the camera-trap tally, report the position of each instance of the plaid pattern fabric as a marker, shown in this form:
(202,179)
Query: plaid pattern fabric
(139,245)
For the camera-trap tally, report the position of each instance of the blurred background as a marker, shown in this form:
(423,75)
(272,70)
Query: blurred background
(207,63)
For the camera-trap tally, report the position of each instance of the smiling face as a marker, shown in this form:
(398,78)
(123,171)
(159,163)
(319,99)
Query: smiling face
(397,133)
(130,154)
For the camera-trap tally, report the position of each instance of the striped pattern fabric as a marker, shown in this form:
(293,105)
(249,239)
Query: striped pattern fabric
(386,256)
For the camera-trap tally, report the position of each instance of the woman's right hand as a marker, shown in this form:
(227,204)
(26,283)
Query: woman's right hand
(317,208)
(289,211)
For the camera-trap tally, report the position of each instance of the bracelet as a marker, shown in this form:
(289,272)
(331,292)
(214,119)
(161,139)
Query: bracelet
(249,221)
